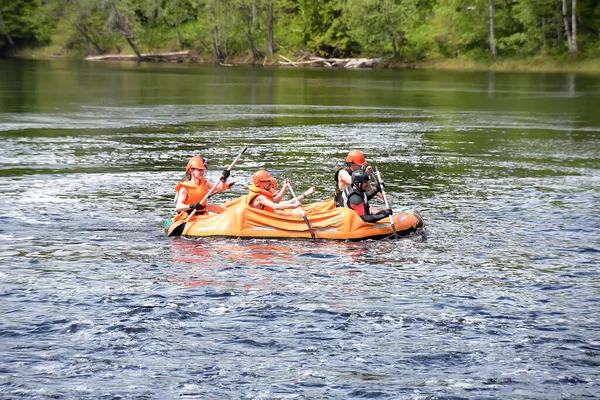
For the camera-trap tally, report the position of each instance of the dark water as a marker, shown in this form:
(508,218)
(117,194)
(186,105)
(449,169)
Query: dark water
(499,299)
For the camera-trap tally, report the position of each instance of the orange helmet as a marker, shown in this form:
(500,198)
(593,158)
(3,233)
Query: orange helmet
(195,162)
(261,175)
(356,157)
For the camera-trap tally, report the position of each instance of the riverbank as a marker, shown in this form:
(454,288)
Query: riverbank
(539,64)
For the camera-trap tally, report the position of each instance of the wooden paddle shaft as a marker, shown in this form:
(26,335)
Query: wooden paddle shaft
(312,232)
(387,205)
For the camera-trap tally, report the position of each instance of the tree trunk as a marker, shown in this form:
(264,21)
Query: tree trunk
(177,30)
(247,15)
(135,49)
(126,30)
(560,43)
(88,38)
(215,41)
(574,27)
(493,48)
(566,23)
(254,14)
(220,54)
(4,28)
(391,36)
(393,42)
(544,44)
(256,53)
(271,45)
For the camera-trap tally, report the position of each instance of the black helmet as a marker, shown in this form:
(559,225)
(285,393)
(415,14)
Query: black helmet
(358,177)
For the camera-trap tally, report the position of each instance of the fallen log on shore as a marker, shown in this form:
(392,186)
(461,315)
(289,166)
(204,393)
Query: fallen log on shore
(177,56)
(346,63)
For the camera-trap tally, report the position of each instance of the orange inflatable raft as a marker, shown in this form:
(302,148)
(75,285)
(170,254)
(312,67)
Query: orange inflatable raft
(236,219)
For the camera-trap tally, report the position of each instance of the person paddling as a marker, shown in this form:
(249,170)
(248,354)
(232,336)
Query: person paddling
(355,161)
(192,191)
(261,195)
(357,197)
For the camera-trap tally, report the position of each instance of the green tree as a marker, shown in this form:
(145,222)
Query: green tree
(25,22)
(538,24)
(408,29)
(177,13)
(4,30)
(315,25)
(249,13)
(381,26)
(84,19)
(472,27)
(123,17)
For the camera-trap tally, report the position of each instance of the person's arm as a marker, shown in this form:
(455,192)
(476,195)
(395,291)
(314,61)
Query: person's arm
(310,191)
(375,191)
(221,186)
(344,179)
(378,191)
(371,193)
(306,194)
(181,199)
(357,204)
(376,217)
(369,170)
(284,205)
(277,198)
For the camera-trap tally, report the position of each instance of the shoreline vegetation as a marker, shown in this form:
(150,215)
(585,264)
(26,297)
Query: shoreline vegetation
(539,64)
(484,35)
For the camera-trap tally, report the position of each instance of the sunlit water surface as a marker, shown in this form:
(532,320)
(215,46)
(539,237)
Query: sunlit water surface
(498,299)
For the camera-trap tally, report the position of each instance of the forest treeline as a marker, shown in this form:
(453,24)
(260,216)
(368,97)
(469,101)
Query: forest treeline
(409,30)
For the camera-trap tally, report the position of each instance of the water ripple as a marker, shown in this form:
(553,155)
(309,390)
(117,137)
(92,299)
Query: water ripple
(498,299)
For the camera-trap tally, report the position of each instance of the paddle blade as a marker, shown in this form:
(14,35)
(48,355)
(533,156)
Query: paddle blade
(175,228)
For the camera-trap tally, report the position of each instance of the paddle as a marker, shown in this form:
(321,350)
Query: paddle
(176,229)
(386,202)
(312,232)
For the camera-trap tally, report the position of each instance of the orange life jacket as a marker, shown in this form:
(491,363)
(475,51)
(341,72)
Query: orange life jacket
(196,193)
(256,191)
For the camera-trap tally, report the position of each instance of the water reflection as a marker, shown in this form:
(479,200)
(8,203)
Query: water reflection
(242,265)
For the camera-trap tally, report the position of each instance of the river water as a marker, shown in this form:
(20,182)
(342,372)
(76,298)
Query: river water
(498,299)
